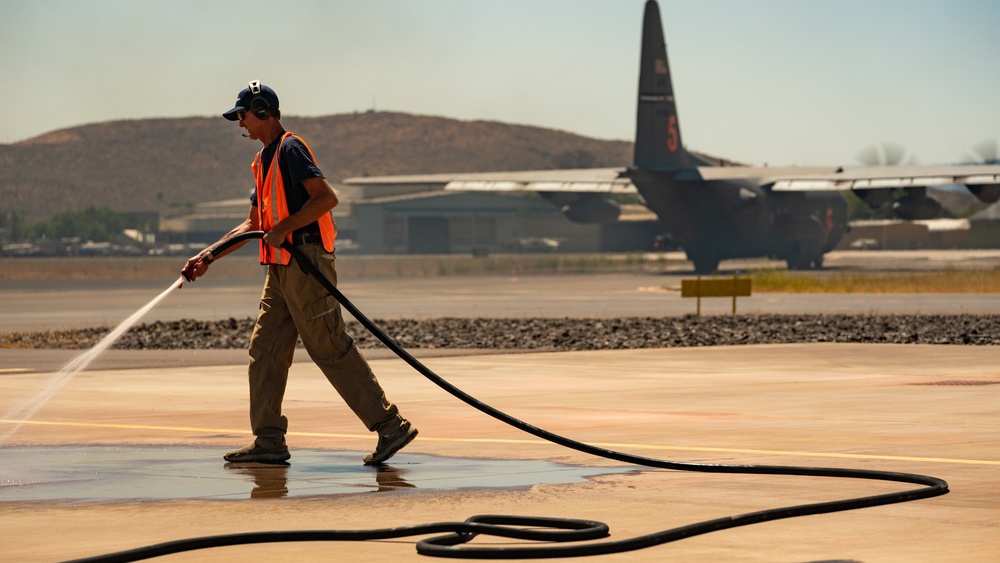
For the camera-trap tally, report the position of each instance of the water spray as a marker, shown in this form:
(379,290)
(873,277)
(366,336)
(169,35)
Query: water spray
(558,530)
(24,410)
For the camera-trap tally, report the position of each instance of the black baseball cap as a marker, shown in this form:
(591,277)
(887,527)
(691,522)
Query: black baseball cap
(245,99)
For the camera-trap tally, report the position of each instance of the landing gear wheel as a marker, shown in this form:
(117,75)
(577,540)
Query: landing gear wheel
(804,256)
(798,264)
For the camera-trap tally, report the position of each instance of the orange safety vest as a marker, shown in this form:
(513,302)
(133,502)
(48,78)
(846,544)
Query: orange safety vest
(272,207)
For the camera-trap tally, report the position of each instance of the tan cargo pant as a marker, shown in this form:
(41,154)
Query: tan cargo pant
(293,304)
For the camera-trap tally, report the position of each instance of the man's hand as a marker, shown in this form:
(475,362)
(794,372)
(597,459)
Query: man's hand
(196,266)
(276,236)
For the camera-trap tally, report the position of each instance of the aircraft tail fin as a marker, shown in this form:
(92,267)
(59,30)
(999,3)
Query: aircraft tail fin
(658,134)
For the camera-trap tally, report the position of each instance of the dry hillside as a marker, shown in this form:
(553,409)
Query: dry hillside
(152,164)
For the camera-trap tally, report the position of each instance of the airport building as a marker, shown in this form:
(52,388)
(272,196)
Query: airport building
(896,234)
(985,228)
(380,221)
(981,230)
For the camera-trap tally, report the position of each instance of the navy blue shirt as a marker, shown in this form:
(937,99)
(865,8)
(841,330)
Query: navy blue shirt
(296,167)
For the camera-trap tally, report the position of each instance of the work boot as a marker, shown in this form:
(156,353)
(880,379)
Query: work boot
(258,454)
(391,443)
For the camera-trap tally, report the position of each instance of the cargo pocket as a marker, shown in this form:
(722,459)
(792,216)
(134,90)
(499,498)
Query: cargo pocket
(324,330)
(321,307)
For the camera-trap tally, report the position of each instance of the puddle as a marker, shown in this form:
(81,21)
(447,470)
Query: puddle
(100,473)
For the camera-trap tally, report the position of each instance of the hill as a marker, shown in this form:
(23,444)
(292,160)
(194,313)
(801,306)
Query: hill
(152,164)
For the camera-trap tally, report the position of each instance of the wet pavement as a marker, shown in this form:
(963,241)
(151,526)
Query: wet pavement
(74,474)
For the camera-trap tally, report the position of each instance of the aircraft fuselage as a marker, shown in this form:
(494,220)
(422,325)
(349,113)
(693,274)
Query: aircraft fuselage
(718,220)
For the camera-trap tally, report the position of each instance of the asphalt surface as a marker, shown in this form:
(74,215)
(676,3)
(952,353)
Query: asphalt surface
(63,304)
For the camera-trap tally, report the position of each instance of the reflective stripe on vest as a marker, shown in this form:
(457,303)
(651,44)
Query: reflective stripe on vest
(272,206)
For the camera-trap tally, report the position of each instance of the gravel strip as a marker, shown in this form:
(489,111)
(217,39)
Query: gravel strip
(564,334)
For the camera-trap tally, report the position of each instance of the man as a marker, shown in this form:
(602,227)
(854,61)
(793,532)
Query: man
(292,203)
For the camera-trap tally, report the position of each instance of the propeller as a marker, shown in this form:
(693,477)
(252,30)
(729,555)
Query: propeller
(882,154)
(886,154)
(985,152)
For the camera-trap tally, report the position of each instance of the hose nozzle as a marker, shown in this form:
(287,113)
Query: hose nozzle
(209,256)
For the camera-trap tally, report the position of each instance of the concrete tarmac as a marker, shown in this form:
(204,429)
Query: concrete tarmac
(921,409)
(128,453)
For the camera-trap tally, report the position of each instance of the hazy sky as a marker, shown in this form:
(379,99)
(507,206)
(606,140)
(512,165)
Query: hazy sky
(762,81)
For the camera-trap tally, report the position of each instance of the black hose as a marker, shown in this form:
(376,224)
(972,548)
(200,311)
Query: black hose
(558,529)
(233,241)
(216,250)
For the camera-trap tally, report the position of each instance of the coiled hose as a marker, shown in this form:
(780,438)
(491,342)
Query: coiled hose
(559,530)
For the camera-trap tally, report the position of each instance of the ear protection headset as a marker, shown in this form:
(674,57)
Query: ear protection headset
(259,106)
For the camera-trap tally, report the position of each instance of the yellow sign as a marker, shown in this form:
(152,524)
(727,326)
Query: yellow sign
(716,287)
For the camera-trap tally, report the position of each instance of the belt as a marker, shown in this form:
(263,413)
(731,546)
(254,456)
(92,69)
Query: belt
(307,238)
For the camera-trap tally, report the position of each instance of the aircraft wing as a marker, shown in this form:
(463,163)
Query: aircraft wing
(782,179)
(799,179)
(595,180)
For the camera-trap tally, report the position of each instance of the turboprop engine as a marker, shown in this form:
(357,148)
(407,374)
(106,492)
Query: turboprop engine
(873,198)
(989,193)
(916,207)
(592,208)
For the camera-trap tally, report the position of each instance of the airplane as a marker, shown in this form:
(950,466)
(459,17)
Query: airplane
(713,208)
